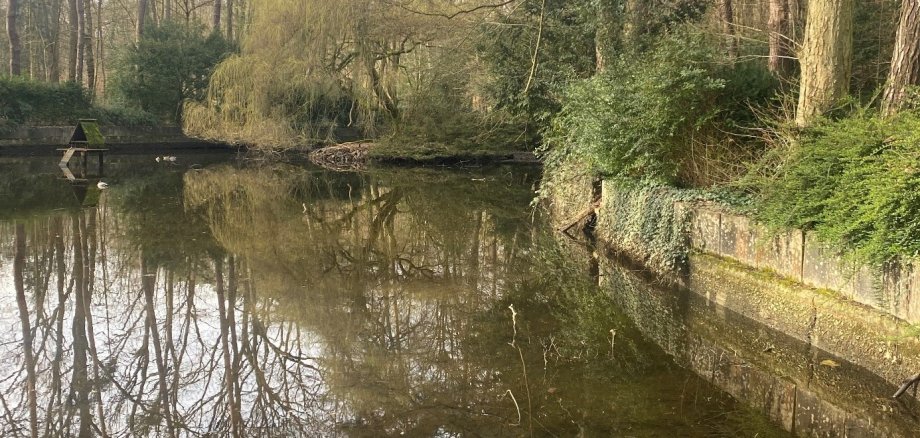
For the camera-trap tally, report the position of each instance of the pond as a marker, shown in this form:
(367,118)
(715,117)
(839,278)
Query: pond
(212,296)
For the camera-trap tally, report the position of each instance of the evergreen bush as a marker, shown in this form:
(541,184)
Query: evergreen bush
(642,117)
(27,102)
(856,183)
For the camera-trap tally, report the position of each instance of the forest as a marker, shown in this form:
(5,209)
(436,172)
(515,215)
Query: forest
(800,111)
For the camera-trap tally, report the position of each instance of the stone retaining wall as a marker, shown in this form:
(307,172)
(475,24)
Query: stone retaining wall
(58,136)
(715,330)
(851,326)
(799,256)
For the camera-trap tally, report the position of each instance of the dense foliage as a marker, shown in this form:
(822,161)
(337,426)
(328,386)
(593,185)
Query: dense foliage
(856,183)
(642,117)
(529,88)
(24,101)
(171,63)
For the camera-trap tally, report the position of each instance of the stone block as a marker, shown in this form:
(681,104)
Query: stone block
(824,268)
(820,266)
(817,418)
(782,407)
(702,357)
(737,238)
(910,303)
(730,375)
(780,253)
(856,427)
(896,289)
(864,286)
(704,229)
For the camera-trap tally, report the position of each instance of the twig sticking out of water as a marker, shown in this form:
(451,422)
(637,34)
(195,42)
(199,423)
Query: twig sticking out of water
(513,325)
(516,406)
(613,337)
(523,368)
(912,381)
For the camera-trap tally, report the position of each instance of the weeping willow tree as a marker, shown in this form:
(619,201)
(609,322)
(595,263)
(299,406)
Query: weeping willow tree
(310,68)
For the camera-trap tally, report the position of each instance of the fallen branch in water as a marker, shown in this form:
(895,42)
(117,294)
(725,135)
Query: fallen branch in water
(912,381)
(342,157)
(581,216)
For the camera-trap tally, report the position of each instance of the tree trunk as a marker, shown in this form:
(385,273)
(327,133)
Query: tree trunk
(100,48)
(636,20)
(80,385)
(19,261)
(141,17)
(727,16)
(905,62)
(780,61)
(216,18)
(229,20)
(12,31)
(72,49)
(81,39)
(605,35)
(827,58)
(53,51)
(153,13)
(88,47)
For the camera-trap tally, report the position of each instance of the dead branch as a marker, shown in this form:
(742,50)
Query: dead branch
(912,381)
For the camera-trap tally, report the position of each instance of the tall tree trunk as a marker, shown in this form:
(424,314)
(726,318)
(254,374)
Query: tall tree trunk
(100,48)
(81,39)
(229,20)
(216,18)
(72,49)
(605,37)
(727,16)
(53,50)
(88,47)
(905,62)
(141,18)
(229,380)
(780,61)
(827,58)
(80,386)
(149,273)
(19,261)
(12,31)
(167,10)
(153,12)
(636,21)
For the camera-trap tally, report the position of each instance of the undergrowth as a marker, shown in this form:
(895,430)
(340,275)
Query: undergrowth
(647,118)
(855,182)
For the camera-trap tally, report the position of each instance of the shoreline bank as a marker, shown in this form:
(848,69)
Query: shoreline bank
(846,325)
(43,140)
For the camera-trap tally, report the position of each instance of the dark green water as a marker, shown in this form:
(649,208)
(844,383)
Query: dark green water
(240,299)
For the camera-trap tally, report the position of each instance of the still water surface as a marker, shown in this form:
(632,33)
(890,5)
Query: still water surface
(244,299)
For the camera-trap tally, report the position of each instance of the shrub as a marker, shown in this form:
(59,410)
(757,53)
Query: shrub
(171,63)
(642,117)
(856,183)
(26,101)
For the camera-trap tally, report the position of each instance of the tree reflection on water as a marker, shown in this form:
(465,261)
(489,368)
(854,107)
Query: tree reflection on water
(277,301)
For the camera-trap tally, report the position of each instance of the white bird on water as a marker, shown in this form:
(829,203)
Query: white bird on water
(166,158)
(101,185)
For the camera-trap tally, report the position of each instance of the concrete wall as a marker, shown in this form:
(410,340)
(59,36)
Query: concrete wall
(799,256)
(58,136)
(747,289)
(786,378)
